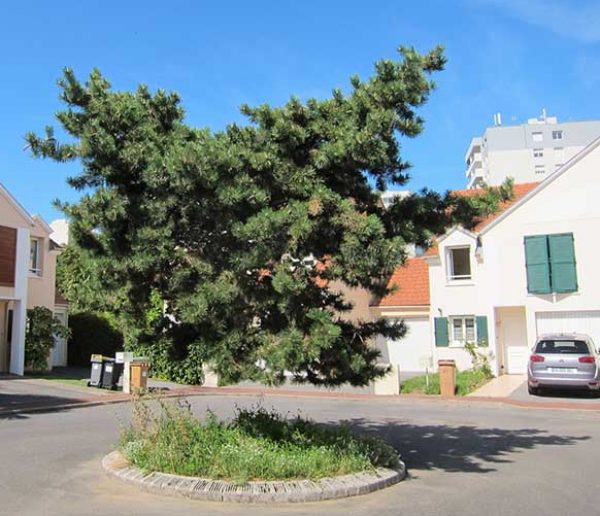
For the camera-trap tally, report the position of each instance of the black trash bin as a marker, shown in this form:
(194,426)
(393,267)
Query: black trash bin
(111,373)
(97,370)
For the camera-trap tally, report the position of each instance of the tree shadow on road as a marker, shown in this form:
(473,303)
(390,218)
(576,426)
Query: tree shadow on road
(17,406)
(459,448)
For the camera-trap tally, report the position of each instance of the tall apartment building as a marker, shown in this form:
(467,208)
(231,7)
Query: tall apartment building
(528,152)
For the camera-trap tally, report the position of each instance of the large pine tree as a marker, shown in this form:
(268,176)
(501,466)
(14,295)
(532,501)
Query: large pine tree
(194,239)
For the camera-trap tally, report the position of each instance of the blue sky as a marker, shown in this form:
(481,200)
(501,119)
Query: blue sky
(508,56)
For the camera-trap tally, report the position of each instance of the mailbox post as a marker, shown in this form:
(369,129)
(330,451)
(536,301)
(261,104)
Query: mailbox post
(447,370)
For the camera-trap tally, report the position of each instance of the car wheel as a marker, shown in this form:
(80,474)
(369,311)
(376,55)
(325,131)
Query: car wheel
(534,391)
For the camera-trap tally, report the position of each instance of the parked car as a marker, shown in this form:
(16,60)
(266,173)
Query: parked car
(565,360)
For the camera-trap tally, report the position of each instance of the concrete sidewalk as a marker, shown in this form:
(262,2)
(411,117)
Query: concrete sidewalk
(501,386)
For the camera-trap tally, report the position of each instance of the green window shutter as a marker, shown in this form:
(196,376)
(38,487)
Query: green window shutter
(441,331)
(562,263)
(482,330)
(538,265)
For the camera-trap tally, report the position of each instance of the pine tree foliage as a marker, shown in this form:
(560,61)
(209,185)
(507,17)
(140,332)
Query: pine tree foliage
(194,238)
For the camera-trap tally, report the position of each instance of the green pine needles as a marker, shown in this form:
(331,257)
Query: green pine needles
(194,239)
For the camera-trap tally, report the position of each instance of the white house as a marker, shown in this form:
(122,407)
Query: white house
(531,268)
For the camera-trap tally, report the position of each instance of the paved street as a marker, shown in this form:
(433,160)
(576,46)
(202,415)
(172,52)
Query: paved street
(18,393)
(463,458)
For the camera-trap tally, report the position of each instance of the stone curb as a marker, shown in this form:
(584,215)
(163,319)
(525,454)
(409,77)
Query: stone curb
(293,491)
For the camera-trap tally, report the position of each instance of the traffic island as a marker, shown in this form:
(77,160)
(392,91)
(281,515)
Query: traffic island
(258,455)
(116,465)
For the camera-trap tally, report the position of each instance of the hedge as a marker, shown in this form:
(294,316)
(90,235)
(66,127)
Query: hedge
(91,333)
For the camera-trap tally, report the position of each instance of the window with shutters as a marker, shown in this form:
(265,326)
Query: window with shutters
(550,263)
(460,329)
(463,330)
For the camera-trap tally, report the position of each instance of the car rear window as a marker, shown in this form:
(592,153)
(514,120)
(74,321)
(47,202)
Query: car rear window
(575,347)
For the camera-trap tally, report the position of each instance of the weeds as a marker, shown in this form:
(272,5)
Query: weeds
(466,382)
(257,444)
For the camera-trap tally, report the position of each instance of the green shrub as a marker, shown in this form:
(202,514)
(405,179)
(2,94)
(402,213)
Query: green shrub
(469,381)
(256,444)
(92,333)
(419,384)
(466,382)
(42,326)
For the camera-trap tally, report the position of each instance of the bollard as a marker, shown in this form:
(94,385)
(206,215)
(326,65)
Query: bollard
(447,369)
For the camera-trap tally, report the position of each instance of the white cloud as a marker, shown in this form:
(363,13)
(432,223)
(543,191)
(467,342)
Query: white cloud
(577,20)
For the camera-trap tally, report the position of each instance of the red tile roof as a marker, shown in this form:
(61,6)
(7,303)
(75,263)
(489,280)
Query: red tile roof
(412,282)
(413,277)
(520,190)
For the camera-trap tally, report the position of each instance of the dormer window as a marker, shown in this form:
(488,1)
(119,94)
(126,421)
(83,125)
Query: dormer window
(35,257)
(459,263)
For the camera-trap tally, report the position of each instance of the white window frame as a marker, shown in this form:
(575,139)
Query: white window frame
(540,169)
(559,155)
(537,136)
(463,318)
(557,135)
(35,269)
(538,153)
(450,264)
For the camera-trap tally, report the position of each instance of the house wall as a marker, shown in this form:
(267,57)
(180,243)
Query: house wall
(10,216)
(41,289)
(360,298)
(452,298)
(567,205)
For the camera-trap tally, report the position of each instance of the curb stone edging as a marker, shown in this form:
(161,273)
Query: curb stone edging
(116,465)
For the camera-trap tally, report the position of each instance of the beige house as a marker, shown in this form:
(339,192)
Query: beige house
(27,279)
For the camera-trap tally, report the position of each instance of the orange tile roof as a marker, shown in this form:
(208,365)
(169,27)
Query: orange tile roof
(412,282)
(520,191)
(413,277)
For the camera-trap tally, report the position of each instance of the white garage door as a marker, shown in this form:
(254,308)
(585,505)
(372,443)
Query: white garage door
(412,353)
(587,322)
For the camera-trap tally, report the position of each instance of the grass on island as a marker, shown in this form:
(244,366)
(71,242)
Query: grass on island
(466,382)
(256,445)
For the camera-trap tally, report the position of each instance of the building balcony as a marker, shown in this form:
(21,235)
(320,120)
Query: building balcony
(475,166)
(474,148)
(478,177)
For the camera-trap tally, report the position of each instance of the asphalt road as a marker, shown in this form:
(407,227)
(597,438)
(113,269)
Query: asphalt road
(463,459)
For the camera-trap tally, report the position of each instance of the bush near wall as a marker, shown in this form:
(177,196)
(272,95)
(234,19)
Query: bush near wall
(92,333)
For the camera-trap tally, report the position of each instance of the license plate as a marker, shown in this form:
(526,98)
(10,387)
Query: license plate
(562,369)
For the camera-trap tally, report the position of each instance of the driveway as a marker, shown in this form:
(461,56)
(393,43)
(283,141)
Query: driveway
(463,458)
(566,396)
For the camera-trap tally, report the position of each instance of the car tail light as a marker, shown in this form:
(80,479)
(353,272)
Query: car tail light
(589,359)
(536,358)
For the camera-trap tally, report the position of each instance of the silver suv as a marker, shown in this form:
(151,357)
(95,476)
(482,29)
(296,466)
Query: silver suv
(568,360)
